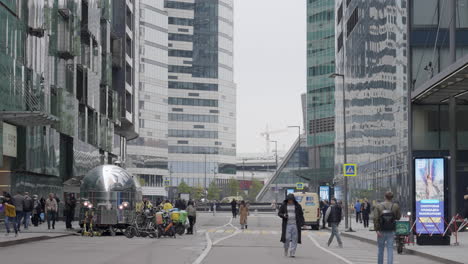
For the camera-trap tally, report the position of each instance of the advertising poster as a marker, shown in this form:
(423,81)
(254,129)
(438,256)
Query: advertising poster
(324,193)
(429,178)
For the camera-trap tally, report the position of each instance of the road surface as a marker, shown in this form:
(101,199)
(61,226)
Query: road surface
(218,240)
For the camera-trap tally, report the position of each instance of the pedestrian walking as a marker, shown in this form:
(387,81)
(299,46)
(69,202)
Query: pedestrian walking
(69,210)
(42,215)
(10,214)
(366,209)
(465,204)
(234,208)
(192,217)
(334,216)
(243,213)
(37,209)
(357,209)
(293,220)
(28,206)
(18,202)
(213,207)
(324,212)
(51,208)
(386,215)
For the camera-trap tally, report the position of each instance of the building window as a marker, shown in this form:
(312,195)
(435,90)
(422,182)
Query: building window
(322,125)
(193,86)
(176,133)
(179,5)
(339,13)
(181,53)
(193,102)
(182,142)
(180,21)
(193,118)
(177,109)
(352,21)
(181,37)
(340,41)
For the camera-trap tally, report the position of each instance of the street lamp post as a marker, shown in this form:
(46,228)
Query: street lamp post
(345,158)
(276,162)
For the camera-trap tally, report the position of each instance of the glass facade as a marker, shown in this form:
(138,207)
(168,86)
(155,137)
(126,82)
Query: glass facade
(148,154)
(56,59)
(202,93)
(429,37)
(372,56)
(320,87)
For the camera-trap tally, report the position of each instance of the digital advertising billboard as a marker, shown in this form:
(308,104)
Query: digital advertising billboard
(324,193)
(429,186)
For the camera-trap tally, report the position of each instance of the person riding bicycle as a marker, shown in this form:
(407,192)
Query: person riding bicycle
(147,205)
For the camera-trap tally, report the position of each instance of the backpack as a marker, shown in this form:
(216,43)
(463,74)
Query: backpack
(387,220)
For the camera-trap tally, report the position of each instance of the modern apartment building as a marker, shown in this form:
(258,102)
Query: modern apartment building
(202,94)
(66,95)
(320,115)
(371,59)
(148,155)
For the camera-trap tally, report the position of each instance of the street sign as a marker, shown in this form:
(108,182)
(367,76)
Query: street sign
(167,183)
(300,186)
(349,170)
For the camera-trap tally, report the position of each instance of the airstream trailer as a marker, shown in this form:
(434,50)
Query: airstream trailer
(109,193)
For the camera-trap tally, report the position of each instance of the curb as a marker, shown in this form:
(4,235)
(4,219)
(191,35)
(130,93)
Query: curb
(407,250)
(30,240)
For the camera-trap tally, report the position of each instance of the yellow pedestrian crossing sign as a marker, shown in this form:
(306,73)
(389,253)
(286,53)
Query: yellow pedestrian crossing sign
(349,170)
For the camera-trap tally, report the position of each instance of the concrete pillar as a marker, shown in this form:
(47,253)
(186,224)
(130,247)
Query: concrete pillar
(453,156)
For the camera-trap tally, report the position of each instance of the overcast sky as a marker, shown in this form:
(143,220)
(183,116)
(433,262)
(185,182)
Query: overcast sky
(270,70)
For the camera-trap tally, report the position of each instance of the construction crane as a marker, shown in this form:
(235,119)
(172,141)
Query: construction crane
(267,133)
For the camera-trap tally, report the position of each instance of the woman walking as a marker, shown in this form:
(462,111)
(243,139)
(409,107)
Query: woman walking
(192,217)
(51,208)
(243,212)
(293,220)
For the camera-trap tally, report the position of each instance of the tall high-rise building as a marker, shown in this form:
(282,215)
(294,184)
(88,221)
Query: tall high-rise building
(371,43)
(320,127)
(66,104)
(202,93)
(148,155)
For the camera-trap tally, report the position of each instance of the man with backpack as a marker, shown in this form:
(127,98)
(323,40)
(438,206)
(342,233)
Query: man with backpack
(385,216)
(28,206)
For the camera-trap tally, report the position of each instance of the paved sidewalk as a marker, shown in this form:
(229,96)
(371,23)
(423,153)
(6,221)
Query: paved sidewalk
(444,254)
(34,234)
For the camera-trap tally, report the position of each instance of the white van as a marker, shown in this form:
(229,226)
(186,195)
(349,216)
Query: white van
(311,206)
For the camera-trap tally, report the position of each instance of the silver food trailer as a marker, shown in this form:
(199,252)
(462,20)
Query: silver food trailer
(108,196)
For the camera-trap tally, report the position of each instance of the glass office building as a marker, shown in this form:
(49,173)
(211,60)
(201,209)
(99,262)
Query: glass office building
(202,94)
(63,109)
(320,126)
(371,43)
(148,154)
(439,127)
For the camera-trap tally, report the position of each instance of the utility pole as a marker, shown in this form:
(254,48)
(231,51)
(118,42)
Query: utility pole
(205,172)
(276,161)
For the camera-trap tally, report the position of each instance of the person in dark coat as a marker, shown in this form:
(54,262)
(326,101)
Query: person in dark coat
(69,212)
(234,208)
(293,220)
(333,216)
(365,209)
(324,211)
(465,204)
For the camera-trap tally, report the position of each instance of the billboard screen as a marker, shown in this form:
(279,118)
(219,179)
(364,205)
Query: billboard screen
(324,193)
(429,184)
